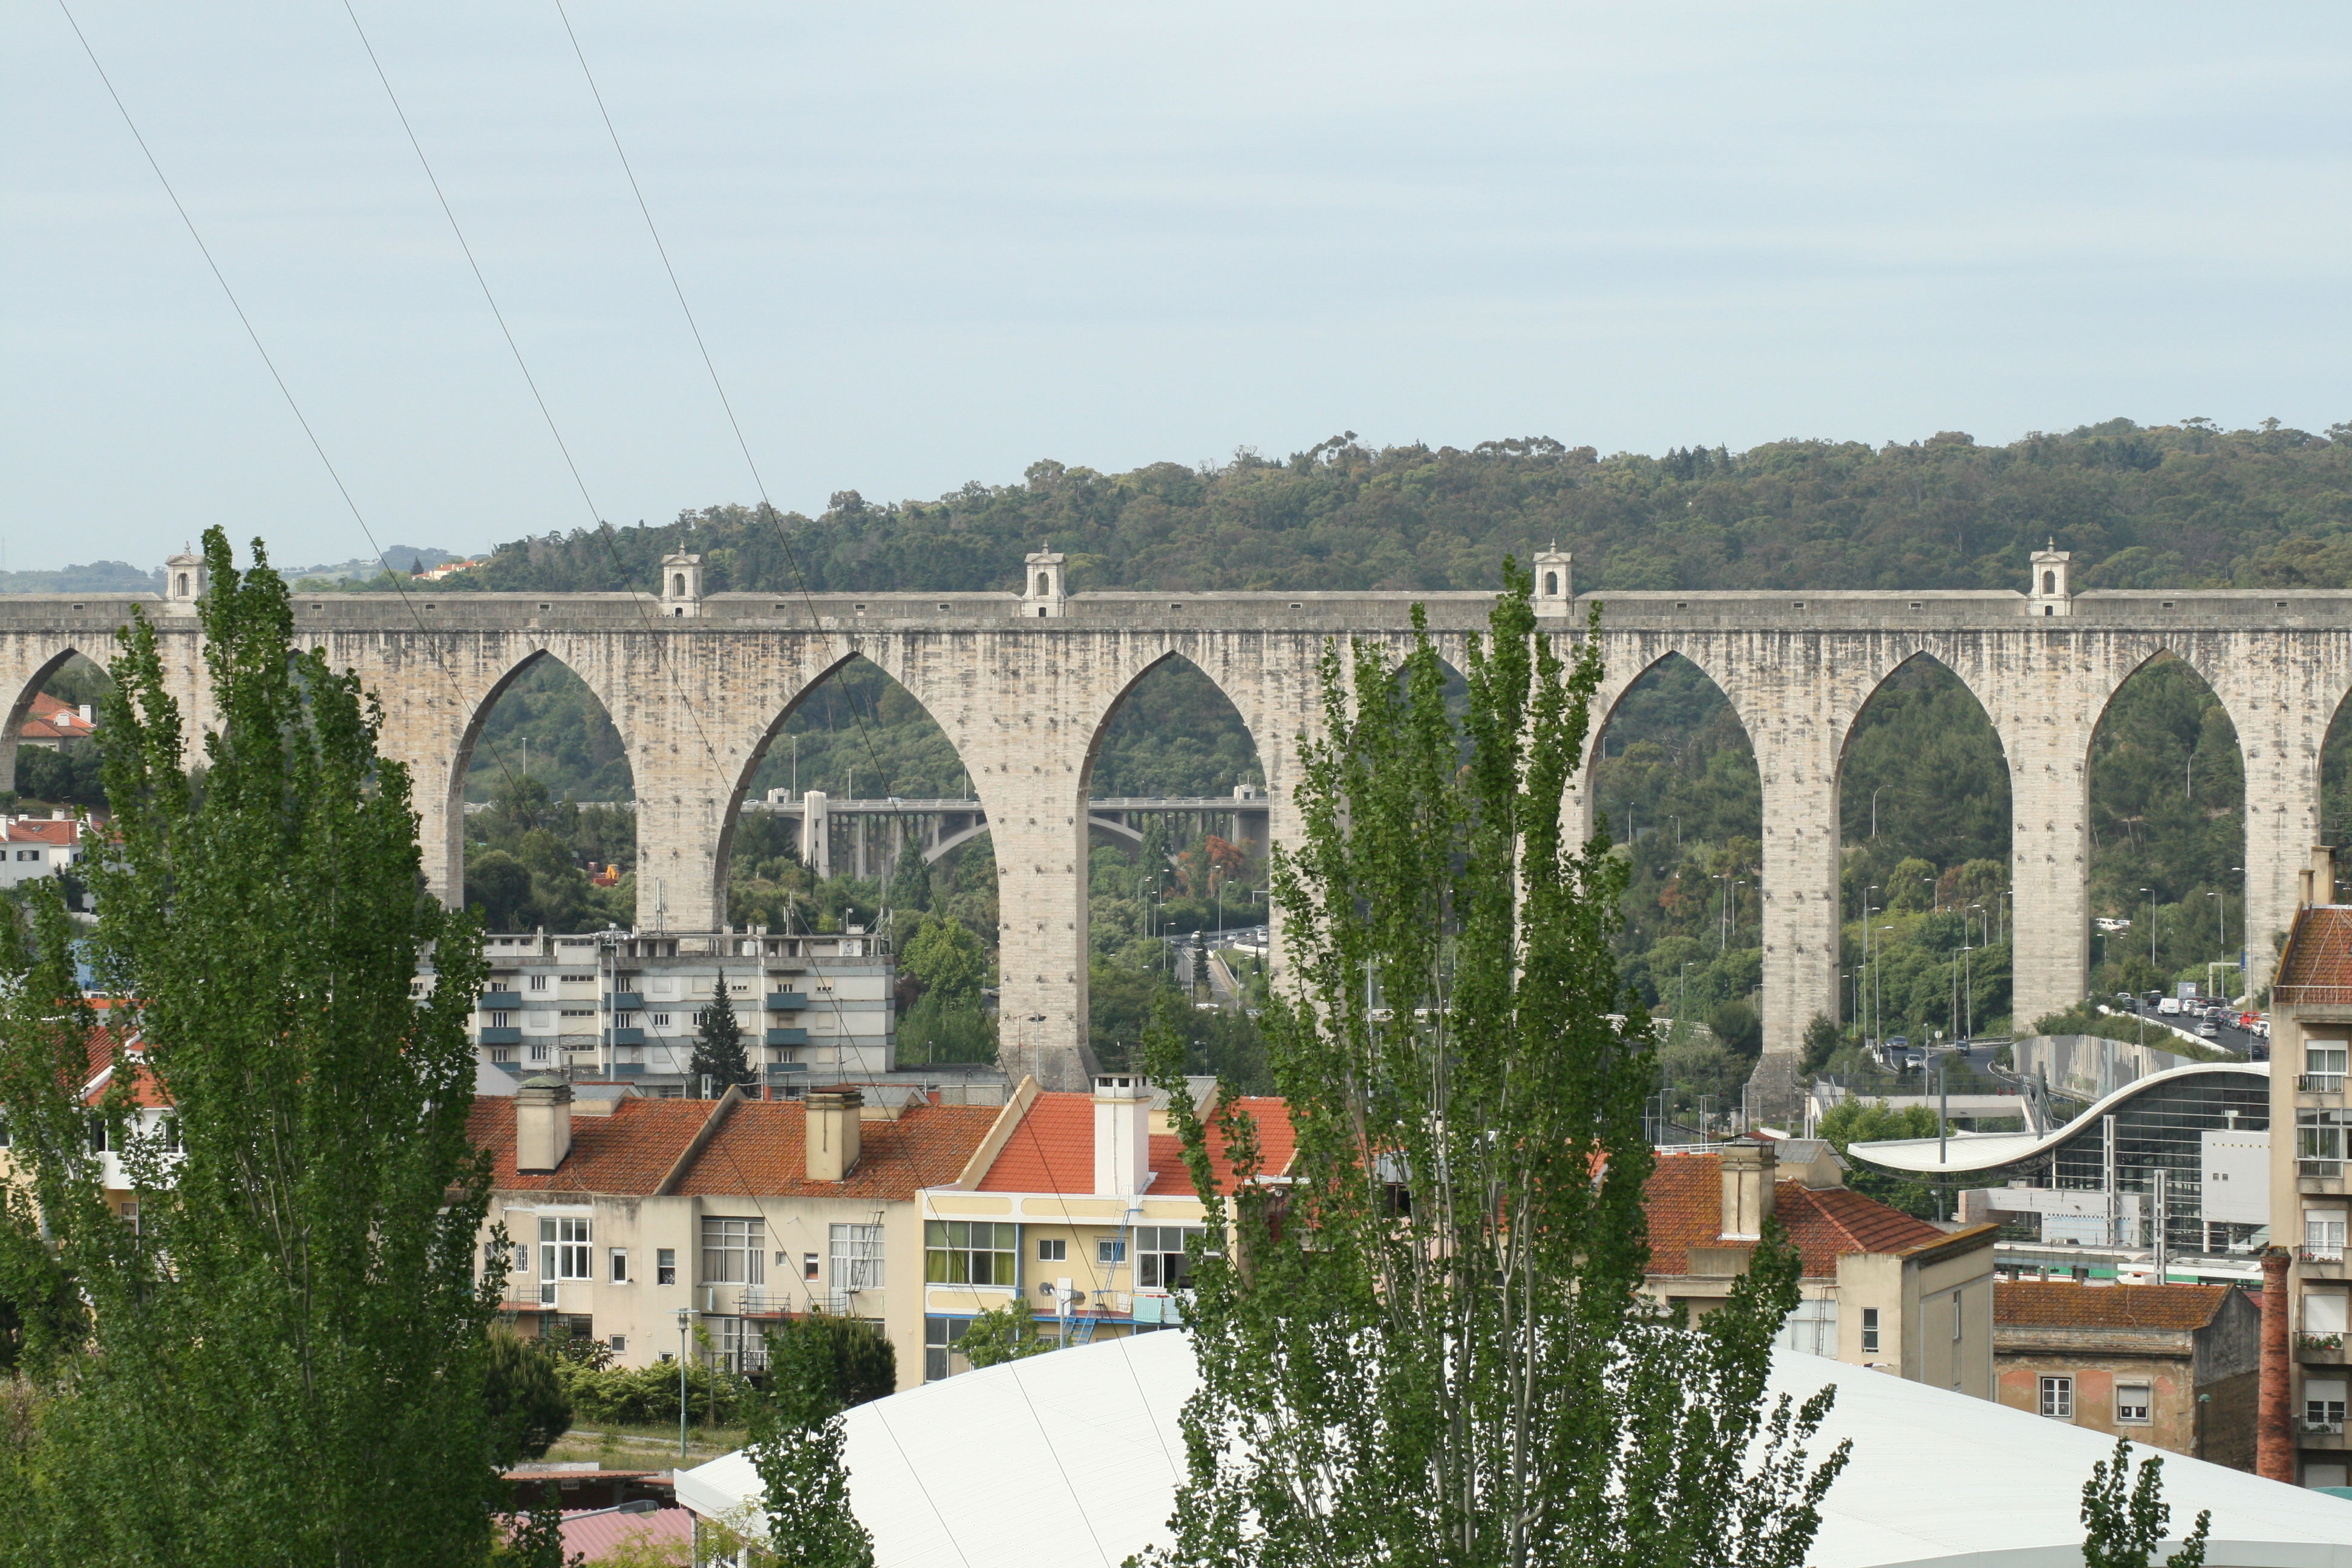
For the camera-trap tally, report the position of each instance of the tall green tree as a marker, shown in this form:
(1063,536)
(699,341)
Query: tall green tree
(1424,1346)
(796,1448)
(282,1360)
(720,1060)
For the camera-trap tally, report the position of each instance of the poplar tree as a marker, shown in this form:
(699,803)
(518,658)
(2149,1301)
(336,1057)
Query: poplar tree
(797,1437)
(280,1353)
(1426,1344)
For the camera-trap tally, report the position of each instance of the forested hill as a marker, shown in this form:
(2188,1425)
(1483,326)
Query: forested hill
(2175,506)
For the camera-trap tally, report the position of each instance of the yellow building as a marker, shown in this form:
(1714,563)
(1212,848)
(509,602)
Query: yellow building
(1078,1207)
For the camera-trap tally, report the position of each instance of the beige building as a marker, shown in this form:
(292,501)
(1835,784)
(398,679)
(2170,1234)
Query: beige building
(636,1220)
(1879,1289)
(2173,1366)
(1078,1207)
(2311,1201)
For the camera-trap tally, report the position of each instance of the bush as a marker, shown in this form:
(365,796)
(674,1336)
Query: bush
(1002,1334)
(647,1395)
(528,1407)
(864,1365)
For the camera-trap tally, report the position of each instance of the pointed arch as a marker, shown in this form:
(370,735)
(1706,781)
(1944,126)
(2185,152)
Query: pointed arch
(2165,778)
(541,804)
(53,670)
(1672,773)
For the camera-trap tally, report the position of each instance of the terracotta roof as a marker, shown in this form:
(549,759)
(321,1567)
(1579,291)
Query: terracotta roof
(1053,1149)
(2062,1304)
(758,1149)
(2318,955)
(52,719)
(1684,1203)
(43,830)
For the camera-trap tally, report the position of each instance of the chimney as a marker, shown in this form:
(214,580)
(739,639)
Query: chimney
(833,1132)
(1749,1170)
(2323,874)
(543,1124)
(2274,1419)
(1122,1135)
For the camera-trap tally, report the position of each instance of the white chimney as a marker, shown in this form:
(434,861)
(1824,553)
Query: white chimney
(1749,1179)
(1122,1135)
(543,1124)
(834,1134)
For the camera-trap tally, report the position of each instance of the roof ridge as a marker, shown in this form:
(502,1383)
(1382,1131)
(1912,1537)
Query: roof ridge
(701,1141)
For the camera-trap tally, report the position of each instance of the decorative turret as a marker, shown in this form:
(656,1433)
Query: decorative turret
(1042,593)
(2049,593)
(183,583)
(1555,589)
(681,587)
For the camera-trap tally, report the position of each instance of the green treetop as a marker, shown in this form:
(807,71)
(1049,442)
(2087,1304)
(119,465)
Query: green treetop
(719,1053)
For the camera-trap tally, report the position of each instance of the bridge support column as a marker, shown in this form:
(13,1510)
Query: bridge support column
(2050,858)
(678,833)
(2282,717)
(1798,771)
(1039,834)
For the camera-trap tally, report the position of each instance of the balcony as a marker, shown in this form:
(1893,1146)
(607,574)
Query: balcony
(787,1070)
(786,1001)
(2321,1170)
(2325,1350)
(629,1069)
(625,1036)
(2328,1259)
(501,1036)
(2322,1433)
(495,1000)
(2320,1082)
(787,1037)
(765,1304)
(624,1002)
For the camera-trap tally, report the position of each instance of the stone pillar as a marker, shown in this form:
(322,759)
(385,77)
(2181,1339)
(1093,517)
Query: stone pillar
(2050,848)
(1798,766)
(817,834)
(2282,708)
(1037,826)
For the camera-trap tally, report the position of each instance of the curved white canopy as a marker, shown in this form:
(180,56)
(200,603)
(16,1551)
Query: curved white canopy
(1964,1152)
(1072,1459)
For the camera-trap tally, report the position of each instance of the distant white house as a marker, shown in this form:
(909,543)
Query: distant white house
(36,846)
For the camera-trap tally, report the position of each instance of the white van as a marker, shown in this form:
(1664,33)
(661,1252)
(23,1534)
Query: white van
(2170,1004)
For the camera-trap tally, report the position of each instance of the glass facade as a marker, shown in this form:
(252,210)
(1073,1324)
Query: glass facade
(2160,1129)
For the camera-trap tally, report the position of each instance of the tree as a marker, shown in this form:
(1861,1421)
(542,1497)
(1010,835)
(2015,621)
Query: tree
(528,1409)
(719,1053)
(1426,1344)
(864,1366)
(288,1346)
(2125,1522)
(1002,1334)
(796,1447)
(910,885)
(1823,1038)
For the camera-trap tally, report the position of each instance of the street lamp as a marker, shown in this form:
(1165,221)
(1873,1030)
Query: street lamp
(1874,811)
(684,1321)
(2151,929)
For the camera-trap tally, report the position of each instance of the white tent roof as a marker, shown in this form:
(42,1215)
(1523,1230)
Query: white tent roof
(1073,1459)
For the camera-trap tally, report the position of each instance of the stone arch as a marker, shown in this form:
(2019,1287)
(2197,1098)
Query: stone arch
(1672,771)
(889,729)
(573,748)
(1922,746)
(22,708)
(2164,779)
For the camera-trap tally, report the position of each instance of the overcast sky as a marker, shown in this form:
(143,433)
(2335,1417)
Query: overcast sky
(932,244)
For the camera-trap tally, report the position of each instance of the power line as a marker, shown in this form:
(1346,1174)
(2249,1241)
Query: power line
(270,364)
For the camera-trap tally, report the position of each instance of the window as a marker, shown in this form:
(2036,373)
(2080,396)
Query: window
(1159,1261)
(2322,1405)
(2328,1057)
(2132,1404)
(2322,1234)
(970,1252)
(539,1052)
(1110,1252)
(502,1020)
(502,1052)
(2058,1398)
(939,1337)
(1870,1330)
(578,1012)
(538,982)
(2319,1143)
(733,1252)
(1960,1315)
(493,1254)
(1053,1252)
(664,1267)
(661,1020)
(856,1261)
(620,1343)
(736,1345)
(522,1259)
(98,1135)
(809,1269)
(563,1250)
(620,1259)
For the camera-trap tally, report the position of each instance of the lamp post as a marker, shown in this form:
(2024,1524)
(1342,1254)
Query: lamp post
(1734,902)
(2151,930)
(1934,902)
(1874,811)
(684,1321)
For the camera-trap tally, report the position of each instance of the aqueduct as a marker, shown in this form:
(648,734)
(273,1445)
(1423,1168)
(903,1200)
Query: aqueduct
(698,684)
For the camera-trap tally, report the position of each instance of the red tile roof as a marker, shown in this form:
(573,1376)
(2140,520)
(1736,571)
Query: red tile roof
(42,831)
(1684,1203)
(52,719)
(759,1148)
(1053,1149)
(2316,966)
(2062,1304)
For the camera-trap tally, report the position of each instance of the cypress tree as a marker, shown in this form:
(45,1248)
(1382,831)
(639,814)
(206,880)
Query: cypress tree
(719,1053)
(281,1359)
(1427,1345)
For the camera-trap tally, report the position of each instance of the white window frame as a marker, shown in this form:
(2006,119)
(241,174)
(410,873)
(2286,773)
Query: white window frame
(618,1265)
(856,1262)
(2135,1414)
(2057,1400)
(734,1250)
(566,1251)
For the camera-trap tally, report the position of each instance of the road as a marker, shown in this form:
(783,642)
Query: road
(2226,1034)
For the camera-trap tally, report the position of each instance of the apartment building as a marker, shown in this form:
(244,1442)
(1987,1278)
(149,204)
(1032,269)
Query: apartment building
(1078,1207)
(2172,1366)
(109,1063)
(33,846)
(1879,1289)
(626,1005)
(650,1222)
(2311,1201)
